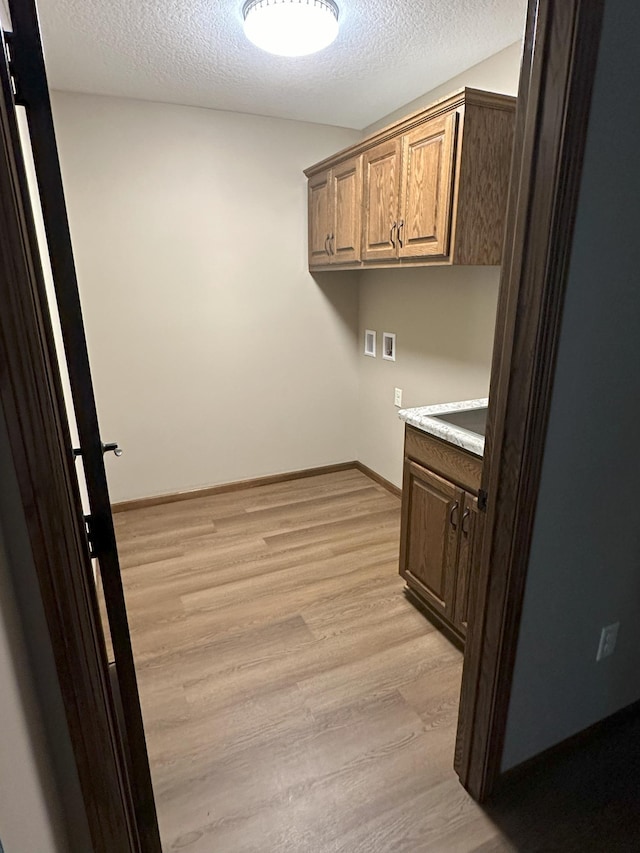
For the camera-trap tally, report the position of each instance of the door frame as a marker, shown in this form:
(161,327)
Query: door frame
(555,93)
(558,70)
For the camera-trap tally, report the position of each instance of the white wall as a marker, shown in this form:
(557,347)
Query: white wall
(215,355)
(444,318)
(584,569)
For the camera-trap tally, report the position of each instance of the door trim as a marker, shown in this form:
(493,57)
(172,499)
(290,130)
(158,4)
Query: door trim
(33,406)
(558,70)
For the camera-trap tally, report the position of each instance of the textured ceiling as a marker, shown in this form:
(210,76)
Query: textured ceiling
(194,52)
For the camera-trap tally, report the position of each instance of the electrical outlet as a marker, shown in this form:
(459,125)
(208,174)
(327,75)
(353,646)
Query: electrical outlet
(397,397)
(608,637)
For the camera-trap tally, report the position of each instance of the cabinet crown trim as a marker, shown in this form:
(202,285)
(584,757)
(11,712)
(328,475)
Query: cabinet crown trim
(463,97)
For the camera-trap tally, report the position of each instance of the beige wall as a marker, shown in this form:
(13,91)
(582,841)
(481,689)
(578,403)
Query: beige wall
(444,321)
(215,355)
(443,318)
(496,74)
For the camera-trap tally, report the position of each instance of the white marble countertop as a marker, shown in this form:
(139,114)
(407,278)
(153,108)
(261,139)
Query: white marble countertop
(422,418)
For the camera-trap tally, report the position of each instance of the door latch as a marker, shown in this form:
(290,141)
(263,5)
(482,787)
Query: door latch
(111,447)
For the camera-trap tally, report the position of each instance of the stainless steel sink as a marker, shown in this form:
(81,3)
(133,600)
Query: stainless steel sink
(472,420)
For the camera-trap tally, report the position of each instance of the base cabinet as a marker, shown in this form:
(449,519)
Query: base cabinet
(441,529)
(466,576)
(431,537)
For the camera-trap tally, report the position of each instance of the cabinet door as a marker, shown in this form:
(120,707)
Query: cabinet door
(319,218)
(470,537)
(428,159)
(346,231)
(431,515)
(381,200)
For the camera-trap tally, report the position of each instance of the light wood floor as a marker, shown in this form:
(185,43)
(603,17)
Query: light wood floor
(294,701)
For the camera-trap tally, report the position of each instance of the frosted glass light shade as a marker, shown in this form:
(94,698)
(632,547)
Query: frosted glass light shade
(291,27)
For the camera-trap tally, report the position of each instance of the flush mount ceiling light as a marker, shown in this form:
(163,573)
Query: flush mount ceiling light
(290,27)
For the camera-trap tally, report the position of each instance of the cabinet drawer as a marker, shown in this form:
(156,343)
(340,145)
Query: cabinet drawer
(445,459)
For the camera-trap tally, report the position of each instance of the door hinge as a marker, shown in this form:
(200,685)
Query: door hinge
(90,528)
(483,498)
(9,42)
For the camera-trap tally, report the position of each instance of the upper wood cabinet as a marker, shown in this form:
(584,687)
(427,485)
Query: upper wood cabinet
(433,188)
(428,155)
(319,219)
(407,192)
(346,211)
(381,200)
(335,214)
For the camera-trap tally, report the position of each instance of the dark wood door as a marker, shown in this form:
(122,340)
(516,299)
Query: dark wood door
(469,537)
(431,517)
(32,405)
(29,89)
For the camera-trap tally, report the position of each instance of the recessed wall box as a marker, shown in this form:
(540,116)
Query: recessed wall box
(370,343)
(389,346)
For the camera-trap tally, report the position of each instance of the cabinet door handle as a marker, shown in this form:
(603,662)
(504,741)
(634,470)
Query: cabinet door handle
(392,234)
(400,227)
(465,517)
(332,249)
(326,250)
(454,514)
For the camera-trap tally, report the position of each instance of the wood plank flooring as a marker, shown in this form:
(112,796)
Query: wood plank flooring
(294,701)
